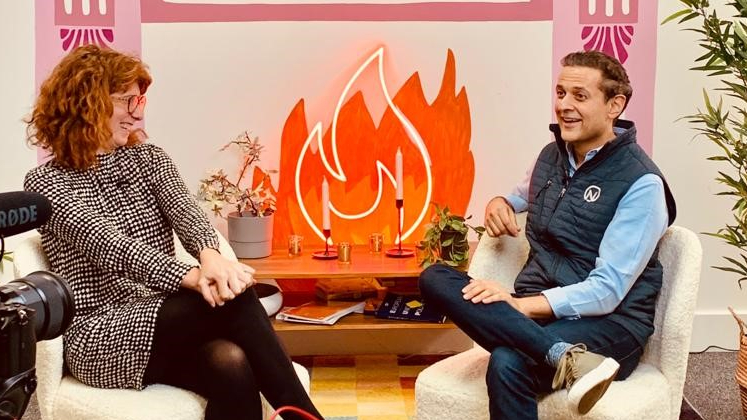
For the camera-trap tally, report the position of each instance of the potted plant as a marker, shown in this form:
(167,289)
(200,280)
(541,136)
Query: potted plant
(725,57)
(445,239)
(250,222)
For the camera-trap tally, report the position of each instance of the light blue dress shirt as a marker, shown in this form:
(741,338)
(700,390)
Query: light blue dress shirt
(639,222)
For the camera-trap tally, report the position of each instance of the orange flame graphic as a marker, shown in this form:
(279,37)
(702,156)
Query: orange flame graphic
(366,154)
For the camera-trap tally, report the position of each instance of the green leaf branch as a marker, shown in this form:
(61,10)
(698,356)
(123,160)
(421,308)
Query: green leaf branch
(724,41)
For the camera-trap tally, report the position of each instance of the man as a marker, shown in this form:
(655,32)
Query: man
(584,302)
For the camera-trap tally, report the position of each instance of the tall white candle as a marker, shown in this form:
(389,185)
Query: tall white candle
(398,175)
(325,204)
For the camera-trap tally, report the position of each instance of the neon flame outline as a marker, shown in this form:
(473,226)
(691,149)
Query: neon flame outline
(338,173)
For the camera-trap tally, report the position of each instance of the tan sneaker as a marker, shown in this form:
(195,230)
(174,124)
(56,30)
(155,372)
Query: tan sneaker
(587,376)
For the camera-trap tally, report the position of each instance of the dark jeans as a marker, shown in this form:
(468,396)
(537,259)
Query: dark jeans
(227,354)
(517,371)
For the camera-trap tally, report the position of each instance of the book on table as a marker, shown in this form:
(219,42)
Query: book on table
(408,308)
(371,306)
(325,313)
(400,285)
(297,291)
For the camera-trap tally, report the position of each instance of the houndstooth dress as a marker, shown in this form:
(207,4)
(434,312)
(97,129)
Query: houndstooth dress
(110,236)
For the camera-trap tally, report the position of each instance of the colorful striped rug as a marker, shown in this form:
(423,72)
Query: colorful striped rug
(375,387)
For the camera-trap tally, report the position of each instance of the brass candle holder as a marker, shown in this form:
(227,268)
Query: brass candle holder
(344,249)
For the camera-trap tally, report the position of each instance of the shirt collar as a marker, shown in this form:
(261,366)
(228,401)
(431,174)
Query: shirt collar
(589,155)
(572,161)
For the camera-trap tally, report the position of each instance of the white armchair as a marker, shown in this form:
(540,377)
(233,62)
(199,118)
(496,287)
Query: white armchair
(62,397)
(454,388)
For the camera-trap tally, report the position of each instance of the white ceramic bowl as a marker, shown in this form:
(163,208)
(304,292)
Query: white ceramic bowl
(270,296)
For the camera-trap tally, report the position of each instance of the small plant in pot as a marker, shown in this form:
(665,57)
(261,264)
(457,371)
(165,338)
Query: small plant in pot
(250,222)
(445,239)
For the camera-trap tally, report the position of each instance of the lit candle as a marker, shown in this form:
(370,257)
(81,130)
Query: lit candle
(325,205)
(398,175)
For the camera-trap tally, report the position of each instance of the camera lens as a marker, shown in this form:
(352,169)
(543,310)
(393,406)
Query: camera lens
(46,293)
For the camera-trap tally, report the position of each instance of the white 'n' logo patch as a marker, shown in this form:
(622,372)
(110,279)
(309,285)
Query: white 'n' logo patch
(592,193)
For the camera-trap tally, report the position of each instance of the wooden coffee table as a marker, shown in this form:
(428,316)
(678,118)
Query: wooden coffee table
(363,264)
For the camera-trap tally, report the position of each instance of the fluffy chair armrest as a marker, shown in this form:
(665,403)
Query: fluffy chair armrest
(29,257)
(49,372)
(500,259)
(681,255)
(224,248)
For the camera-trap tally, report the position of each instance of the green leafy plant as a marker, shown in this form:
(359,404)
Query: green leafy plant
(256,200)
(8,256)
(445,239)
(725,125)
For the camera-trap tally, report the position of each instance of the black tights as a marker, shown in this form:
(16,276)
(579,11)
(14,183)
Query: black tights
(227,354)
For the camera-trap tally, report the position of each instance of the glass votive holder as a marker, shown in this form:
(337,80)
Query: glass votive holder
(343,252)
(375,242)
(294,245)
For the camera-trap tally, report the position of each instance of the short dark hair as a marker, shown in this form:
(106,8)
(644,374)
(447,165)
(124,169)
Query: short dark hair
(614,77)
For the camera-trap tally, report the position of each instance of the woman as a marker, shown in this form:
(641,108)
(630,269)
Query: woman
(142,316)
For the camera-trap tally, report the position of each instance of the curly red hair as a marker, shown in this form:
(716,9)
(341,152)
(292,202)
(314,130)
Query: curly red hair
(71,115)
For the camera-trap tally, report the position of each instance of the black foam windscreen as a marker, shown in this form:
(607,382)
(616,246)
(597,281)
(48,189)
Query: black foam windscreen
(21,211)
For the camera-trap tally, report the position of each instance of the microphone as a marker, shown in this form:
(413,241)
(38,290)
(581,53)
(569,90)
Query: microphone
(21,211)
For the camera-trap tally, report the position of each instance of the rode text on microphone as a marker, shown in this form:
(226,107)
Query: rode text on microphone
(19,216)
(21,211)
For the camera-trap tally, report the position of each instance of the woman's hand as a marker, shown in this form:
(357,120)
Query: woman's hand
(226,278)
(486,291)
(194,280)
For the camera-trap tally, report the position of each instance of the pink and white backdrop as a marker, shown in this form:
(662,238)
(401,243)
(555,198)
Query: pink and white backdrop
(464,88)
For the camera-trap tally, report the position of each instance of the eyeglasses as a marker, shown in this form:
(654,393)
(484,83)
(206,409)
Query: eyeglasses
(133,102)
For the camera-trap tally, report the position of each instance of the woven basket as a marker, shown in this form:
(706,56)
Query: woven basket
(741,375)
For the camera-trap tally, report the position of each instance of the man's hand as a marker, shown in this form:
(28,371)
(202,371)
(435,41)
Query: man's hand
(486,291)
(230,278)
(500,218)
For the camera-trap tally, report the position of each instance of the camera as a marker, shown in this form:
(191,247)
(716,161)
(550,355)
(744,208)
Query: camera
(36,307)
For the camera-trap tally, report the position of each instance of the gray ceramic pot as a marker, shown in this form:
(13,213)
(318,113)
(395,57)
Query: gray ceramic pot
(250,236)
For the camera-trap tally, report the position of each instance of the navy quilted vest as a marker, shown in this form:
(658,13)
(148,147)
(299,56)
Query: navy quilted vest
(569,215)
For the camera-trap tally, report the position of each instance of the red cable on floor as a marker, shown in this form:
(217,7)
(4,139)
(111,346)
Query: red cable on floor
(294,409)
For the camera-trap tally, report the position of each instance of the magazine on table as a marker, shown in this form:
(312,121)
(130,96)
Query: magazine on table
(408,308)
(325,313)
